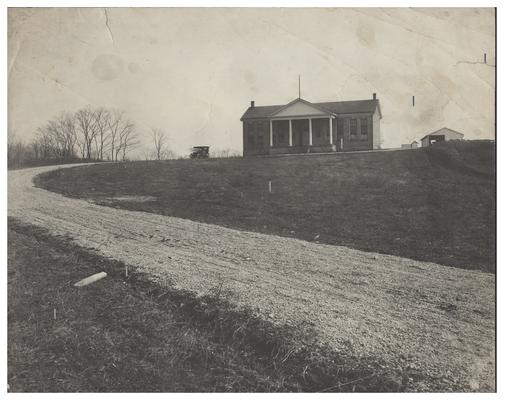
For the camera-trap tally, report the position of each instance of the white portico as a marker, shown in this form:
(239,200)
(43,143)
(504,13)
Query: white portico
(299,115)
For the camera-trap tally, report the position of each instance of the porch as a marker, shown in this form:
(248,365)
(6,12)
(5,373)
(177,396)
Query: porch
(302,134)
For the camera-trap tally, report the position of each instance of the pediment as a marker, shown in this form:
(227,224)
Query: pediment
(299,108)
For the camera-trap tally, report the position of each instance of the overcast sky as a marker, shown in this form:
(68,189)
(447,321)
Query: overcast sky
(193,72)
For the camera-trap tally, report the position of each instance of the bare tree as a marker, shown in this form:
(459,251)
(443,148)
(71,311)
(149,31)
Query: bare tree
(102,137)
(86,124)
(93,133)
(59,136)
(44,143)
(147,154)
(127,139)
(159,140)
(115,123)
(68,125)
(17,151)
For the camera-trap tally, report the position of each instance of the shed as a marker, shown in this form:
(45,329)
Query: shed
(442,135)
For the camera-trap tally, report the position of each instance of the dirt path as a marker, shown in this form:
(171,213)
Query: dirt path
(433,318)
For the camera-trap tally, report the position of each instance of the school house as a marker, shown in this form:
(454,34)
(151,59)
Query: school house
(304,127)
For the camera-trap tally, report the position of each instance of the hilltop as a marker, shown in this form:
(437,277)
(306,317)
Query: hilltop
(432,204)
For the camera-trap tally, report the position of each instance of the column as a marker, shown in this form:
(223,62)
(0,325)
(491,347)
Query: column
(271,135)
(331,132)
(310,131)
(290,134)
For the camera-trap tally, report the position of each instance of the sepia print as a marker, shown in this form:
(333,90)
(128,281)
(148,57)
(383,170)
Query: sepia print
(251,200)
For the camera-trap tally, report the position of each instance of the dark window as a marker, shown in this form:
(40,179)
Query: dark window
(354,127)
(250,139)
(260,140)
(340,127)
(280,131)
(364,128)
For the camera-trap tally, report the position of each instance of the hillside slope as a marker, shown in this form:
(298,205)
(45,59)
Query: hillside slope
(425,321)
(435,204)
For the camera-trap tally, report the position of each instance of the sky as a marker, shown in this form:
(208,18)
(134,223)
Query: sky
(192,72)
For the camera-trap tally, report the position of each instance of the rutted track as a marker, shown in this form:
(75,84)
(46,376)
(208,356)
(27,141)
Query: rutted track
(437,319)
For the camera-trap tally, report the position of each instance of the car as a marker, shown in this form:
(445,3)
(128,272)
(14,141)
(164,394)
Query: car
(199,152)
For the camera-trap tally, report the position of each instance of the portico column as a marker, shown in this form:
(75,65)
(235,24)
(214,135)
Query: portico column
(310,131)
(331,132)
(290,134)
(271,135)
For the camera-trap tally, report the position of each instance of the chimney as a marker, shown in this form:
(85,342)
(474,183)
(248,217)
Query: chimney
(375,96)
(252,103)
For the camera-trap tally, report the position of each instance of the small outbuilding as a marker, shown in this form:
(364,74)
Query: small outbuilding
(413,145)
(442,135)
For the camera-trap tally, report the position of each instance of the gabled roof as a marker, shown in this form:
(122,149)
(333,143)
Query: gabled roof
(441,129)
(317,106)
(336,107)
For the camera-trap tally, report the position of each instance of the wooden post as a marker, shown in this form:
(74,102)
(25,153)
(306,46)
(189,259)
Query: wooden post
(269,186)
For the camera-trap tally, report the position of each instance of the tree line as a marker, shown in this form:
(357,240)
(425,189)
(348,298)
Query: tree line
(90,134)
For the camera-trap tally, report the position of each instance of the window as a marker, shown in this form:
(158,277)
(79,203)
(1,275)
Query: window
(250,139)
(364,128)
(340,127)
(260,140)
(354,127)
(280,131)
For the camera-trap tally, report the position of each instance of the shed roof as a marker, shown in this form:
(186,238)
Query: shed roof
(437,132)
(336,107)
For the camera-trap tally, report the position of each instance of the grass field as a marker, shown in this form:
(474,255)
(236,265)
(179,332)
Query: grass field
(128,334)
(435,204)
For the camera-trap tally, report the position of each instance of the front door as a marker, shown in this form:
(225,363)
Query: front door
(300,132)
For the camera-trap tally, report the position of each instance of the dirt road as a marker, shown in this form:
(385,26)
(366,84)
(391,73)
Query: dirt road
(437,319)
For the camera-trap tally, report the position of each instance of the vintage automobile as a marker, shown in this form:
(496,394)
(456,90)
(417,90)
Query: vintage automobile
(199,152)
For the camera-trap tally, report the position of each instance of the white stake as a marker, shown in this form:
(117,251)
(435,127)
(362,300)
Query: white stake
(126,271)
(270,186)
(54,313)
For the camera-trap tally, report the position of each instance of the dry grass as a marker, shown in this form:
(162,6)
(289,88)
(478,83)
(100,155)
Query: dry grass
(128,335)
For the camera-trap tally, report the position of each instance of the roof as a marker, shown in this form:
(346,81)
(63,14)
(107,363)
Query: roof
(336,107)
(441,129)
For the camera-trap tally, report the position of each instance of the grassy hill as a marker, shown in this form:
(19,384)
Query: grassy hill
(435,204)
